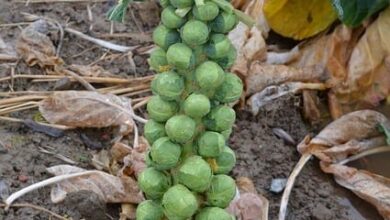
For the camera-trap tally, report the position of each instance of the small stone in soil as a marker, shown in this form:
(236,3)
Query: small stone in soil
(86,205)
(320,212)
(4,190)
(277,185)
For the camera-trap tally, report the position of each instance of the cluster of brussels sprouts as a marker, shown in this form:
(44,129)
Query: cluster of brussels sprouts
(190,116)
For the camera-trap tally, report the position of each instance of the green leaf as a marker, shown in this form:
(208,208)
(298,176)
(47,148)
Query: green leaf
(117,13)
(354,12)
(385,128)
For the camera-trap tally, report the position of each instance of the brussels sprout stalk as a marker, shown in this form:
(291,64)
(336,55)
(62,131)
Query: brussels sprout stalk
(190,116)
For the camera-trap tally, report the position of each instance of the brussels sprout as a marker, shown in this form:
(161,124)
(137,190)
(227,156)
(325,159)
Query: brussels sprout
(218,46)
(228,61)
(209,75)
(179,203)
(226,133)
(213,213)
(224,22)
(187,150)
(210,144)
(153,131)
(181,56)
(153,183)
(220,118)
(164,153)
(222,190)
(225,162)
(195,33)
(180,128)
(164,3)
(149,210)
(230,90)
(182,3)
(200,54)
(168,85)
(196,105)
(161,110)
(206,12)
(165,37)
(170,19)
(195,173)
(158,61)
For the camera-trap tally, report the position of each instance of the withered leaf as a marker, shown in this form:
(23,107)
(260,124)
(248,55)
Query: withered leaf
(110,188)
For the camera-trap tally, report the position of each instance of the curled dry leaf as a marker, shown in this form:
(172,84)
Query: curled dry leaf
(249,205)
(35,47)
(110,188)
(87,109)
(136,159)
(91,71)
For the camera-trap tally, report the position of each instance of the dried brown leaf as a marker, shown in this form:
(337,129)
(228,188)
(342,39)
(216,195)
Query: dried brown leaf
(90,71)
(110,188)
(87,109)
(35,47)
(136,159)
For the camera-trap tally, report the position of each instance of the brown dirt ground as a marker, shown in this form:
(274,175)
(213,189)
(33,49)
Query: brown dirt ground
(261,155)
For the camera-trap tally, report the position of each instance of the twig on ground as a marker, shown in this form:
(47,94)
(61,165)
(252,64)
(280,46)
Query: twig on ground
(58,156)
(23,106)
(17,120)
(141,103)
(290,183)
(7,58)
(14,24)
(80,80)
(27,205)
(21,99)
(366,153)
(141,37)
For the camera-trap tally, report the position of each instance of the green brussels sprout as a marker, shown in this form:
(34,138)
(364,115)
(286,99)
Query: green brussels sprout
(209,75)
(164,3)
(196,105)
(224,22)
(164,153)
(220,118)
(169,85)
(195,33)
(153,131)
(226,133)
(206,12)
(218,46)
(158,61)
(153,183)
(161,110)
(180,128)
(149,210)
(182,3)
(165,37)
(230,90)
(213,213)
(222,191)
(181,56)
(179,203)
(170,19)
(225,162)
(195,173)
(228,61)
(210,144)
(200,54)
(187,150)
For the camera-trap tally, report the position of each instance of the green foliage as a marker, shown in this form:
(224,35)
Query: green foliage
(117,13)
(225,161)
(153,183)
(195,33)
(181,56)
(220,119)
(158,61)
(149,210)
(161,110)
(154,130)
(165,154)
(221,191)
(195,173)
(179,203)
(170,19)
(196,105)
(206,12)
(165,37)
(211,144)
(209,75)
(230,90)
(218,46)
(168,85)
(224,22)
(180,128)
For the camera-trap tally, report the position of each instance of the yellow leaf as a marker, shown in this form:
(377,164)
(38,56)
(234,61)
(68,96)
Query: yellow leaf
(299,19)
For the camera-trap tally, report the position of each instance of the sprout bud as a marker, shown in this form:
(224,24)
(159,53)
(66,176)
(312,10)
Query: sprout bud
(195,173)
(213,213)
(228,61)
(209,75)
(220,118)
(222,191)
(153,131)
(224,22)
(168,85)
(153,183)
(230,90)
(161,110)
(149,210)
(164,3)
(196,105)
(181,56)
(206,12)
(218,47)
(182,3)
(179,203)
(225,162)
(158,61)
(170,19)
(226,133)
(164,153)
(195,33)
(210,144)
(165,37)
(180,128)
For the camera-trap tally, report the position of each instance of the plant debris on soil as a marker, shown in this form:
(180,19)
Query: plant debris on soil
(262,155)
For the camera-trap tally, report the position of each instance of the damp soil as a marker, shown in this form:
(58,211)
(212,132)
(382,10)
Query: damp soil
(261,155)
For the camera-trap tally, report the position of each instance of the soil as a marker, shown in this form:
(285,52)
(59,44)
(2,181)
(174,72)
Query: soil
(261,155)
